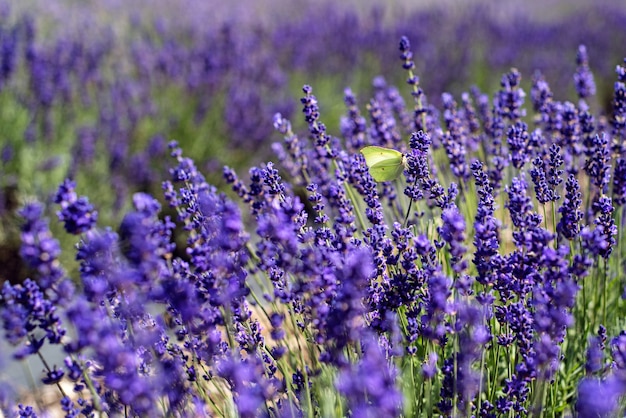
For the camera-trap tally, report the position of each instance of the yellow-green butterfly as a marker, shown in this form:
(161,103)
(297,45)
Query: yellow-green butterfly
(385,164)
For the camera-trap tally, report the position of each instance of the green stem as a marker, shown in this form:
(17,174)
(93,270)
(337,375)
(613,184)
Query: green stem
(605,293)
(307,389)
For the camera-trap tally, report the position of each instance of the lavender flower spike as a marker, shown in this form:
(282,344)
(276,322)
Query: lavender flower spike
(583,78)
(77,214)
(571,215)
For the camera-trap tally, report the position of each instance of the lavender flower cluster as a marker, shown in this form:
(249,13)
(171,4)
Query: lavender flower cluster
(471,286)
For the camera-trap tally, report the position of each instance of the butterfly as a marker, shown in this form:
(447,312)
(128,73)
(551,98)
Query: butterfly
(385,164)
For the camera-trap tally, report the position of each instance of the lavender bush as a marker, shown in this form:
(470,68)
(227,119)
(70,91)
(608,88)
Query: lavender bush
(486,281)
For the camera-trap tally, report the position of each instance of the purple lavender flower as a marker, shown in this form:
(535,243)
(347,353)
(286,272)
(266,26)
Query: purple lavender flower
(583,77)
(341,326)
(529,234)
(541,97)
(554,173)
(429,369)
(486,225)
(519,203)
(601,240)
(571,137)
(417,165)
(366,186)
(599,398)
(26,411)
(437,306)
(619,182)
(595,357)
(311,116)
(511,96)
(553,299)
(77,214)
(454,139)
(587,127)
(519,144)
(571,215)
(291,154)
(24,311)
(598,164)
(618,351)
(98,260)
(516,389)
(473,336)
(383,129)
(543,193)
(406,54)
(369,386)
(53,376)
(420,112)
(67,405)
(453,232)
(8,55)
(146,240)
(41,251)
(246,380)
(618,117)
(353,126)
(419,178)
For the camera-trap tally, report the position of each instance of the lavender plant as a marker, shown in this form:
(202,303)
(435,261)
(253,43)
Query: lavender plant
(456,289)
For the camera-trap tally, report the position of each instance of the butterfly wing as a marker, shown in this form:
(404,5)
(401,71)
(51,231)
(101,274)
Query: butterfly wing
(387,170)
(384,164)
(374,155)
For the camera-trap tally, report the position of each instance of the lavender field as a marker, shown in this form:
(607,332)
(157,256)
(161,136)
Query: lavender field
(289,209)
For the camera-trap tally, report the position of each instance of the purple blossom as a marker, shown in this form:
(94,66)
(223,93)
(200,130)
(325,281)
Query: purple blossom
(473,336)
(77,214)
(454,139)
(370,394)
(429,369)
(249,387)
(383,130)
(619,182)
(353,125)
(571,215)
(599,398)
(583,77)
(453,233)
(571,137)
(24,311)
(486,225)
(511,97)
(553,174)
(26,411)
(541,97)
(341,326)
(598,163)
(618,118)
(595,356)
(40,250)
(543,192)
(518,141)
(420,111)
(98,260)
(601,239)
(67,405)
(146,239)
